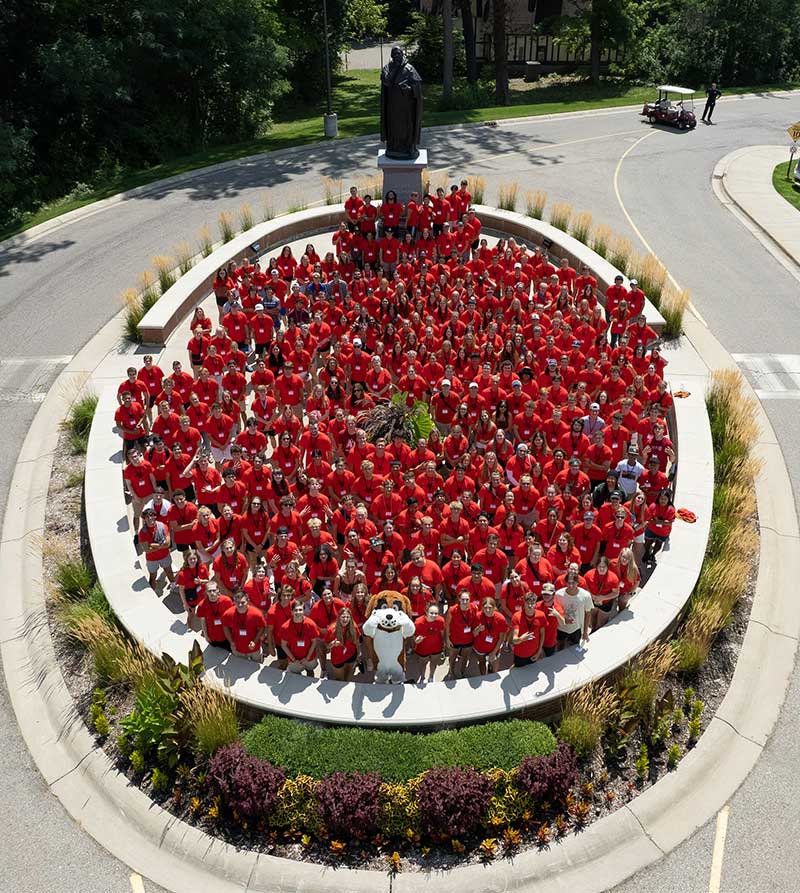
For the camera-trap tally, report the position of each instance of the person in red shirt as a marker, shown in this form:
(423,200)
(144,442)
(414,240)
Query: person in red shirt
(428,571)
(653,481)
(603,586)
(429,642)
(230,568)
(298,637)
(493,560)
(140,482)
(290,389)
(342,643)
(535,569)
(478,586)
(244,627)
(527,633)
(211,611)
(181,518)
(548,608)
(155,542)
(353,207)
(192,579)
(151,376)
(618,534)
(587,538)
(132,423)
(460,623)
(135,387)
(324,613)
(660,518)
(491,634)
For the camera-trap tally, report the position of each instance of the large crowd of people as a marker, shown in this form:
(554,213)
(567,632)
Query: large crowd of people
(519,526)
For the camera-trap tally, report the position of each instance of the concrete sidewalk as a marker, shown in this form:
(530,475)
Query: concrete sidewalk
(744,178)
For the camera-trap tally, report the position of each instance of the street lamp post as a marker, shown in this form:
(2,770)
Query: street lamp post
(330,123)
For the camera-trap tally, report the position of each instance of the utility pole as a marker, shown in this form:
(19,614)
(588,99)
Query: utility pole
(330,123)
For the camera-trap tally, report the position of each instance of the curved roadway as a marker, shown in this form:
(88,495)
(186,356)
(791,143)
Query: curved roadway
(57,290)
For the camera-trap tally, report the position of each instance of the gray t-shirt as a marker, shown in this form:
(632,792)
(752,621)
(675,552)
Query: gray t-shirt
(629,476)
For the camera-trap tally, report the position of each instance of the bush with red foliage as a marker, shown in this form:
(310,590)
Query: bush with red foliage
(348,803)
(245,784)
(550,777)
(454,801)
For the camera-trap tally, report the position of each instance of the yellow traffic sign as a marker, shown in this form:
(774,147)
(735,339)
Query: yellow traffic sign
(794,131)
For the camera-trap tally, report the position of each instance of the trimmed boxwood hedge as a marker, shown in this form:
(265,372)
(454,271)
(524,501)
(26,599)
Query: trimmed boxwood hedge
(303,749)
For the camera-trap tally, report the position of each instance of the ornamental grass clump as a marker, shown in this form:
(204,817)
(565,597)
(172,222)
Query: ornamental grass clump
(225,226)
(672,307)
(586,715)
(454,801)
(78,422)
(535,201)
(652,276)
(165,273)
(246,219)
(148,293)
(104,642)
(581,226)
(73,579)
(184,256)
(549,778)
(561,215)
(602,235)
(477,188)
(210,718)
(639,684)
(332,189)
(619,253)
(507,196)
(348,803)
(246,785)
(205,241)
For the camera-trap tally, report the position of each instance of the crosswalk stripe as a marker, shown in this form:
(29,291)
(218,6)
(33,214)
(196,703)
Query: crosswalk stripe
(24,379)
(774,376)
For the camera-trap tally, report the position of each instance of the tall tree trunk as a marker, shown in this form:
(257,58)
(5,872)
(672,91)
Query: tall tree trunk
(500,52)
(594,46)
(447,68)
(468,26)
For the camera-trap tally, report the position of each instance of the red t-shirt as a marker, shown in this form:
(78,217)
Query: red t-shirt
(212,613)
(493,628)
(432,632)
(463,623)
(522,624)
(138,478)
(244,627)
(343,653)
(297,639)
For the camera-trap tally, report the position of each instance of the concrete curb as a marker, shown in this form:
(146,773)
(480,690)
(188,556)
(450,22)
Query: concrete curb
(153,843)
(50,226)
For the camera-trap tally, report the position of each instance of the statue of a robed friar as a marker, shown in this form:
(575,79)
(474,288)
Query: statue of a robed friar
(401,107)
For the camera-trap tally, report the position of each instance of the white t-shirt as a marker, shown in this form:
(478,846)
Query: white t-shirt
(572,609)
(628,476)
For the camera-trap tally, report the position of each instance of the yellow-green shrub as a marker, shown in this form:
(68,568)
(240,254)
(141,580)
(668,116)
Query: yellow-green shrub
(398,810)
(510,805)
(296,806)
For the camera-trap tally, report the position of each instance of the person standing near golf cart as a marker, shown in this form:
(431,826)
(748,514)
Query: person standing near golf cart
(712,95)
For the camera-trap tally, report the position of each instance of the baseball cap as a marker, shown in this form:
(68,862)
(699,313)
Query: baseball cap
(259,307)
(375,541)
(618,278)
(356,342)
(594,406)
(548,587)
(445,381)
(574,463)
(473,384)
(634,282)
(588,516)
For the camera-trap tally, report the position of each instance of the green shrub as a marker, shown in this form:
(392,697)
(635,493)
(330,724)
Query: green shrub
(210,718)
(643,763)
(134,314)
(302,749)
(73,578)
(673,756)
(79,421)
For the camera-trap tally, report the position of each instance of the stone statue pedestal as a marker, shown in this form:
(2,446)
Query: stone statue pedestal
(403,175)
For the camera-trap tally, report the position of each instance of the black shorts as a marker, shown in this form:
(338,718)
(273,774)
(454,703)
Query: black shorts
(345,663)
(221,300)
(244,346)
(197,359)
(282,655)
(249,548)
(606,607)
(570,638)
(225,645)
(151,401)
(523,661)
(460,647)
(437,229)
(549,650)
(655,537)
(183,547)
(426,656)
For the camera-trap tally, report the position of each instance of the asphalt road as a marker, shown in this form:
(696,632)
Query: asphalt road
(58,290)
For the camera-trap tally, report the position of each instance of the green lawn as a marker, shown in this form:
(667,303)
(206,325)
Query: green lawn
(355,99)
(786,187)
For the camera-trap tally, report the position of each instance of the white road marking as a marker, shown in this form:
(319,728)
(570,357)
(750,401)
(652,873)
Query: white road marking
(636,229)
(719,850)
(26,379)
(137,884)
(773,376)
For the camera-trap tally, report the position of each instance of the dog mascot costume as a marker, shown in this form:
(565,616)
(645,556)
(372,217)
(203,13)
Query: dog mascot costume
(387,626)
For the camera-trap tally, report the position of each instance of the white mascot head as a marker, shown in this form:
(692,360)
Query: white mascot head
(388,625)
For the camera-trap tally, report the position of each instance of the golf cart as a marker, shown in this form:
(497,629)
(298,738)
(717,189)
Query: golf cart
(674,106)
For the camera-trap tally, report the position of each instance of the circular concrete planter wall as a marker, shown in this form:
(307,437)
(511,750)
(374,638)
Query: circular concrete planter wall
(535,690)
